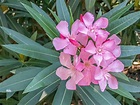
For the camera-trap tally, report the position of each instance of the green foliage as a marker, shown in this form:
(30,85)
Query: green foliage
(28,61)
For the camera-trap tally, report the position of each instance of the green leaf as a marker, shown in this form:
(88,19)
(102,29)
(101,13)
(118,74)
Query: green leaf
(103,98)
(5,62)
(33,51)
(39,10)
(73,5)
(119,13)
(107,3)
(121,91)
(63,96)
(89,4)
(127,61)
(9,95)
(120,76)
(117,8)
(127,51)
(19,81)
(86,97)
(55,16)
(19,38)
(34,97)
(44,22)
(120,24)
(62,10)
(132,86)
(44,78)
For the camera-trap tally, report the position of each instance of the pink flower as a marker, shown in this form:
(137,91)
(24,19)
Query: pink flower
(66,40)
(69,70)
(104,77)
(88,68)
(104,51)
(95,29)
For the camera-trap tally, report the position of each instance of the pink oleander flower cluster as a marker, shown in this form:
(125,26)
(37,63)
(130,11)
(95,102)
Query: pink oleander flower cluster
(88,53)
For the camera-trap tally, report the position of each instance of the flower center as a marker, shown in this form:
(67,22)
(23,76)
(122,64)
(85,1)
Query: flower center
(87,64)
(107,75)
(99,50)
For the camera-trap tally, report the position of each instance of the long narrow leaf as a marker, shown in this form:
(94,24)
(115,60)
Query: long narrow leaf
(44,78)
(63,96)
(33,51)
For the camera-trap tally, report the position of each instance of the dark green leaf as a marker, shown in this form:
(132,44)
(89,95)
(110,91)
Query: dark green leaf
(33,51)
(19,81)
(34,97)
(89,4)
(44,78)
(120,76)
(62,10)
(120,24)
(73,5)
(63,96)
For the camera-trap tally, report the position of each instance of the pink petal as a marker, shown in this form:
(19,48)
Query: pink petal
(84,55)
(101,22)
(115,66)
(65,59)
(82,38)
(90,47)
(80,66)
(63,28)
(87,78)
(108,55)
(82,28)
(93,35)
(112,82)
(78,76)
(70,49)
(109,45)
(71,84)
(98,74)
(60,43)
(116,39)
(63,73)
(98,59)
(88,19)
(103,84)
(101,37)
(74,28)
(117,51)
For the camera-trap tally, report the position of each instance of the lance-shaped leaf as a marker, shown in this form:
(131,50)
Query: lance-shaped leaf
(62,10)
(120,24)
(86,97)
(44,78)
(132,86)
(127,61)
(119,13)
(117,8)
(103,98)
(120,76)
(89,4)
(19,81)
(19,38)
(34,97)
(63,96)
(33,51)
(43,21)
(74,4)
(121,91)
(5,62)
(127,51)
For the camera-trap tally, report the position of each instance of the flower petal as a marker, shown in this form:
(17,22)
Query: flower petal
(103,84)
(63,28)
(116,66)
(90,47)
(98,74)
(101,22)
(71,84)
(70,49)
(88,19)
(109,45)
(82,28)
(112,82)
(74,28)
(65,60)
(60,43)
(108,55)
(82,38)
(93,35)
(86,79)
(63,73)
(84,55)
(117,51)
(98,59)
(116,39)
